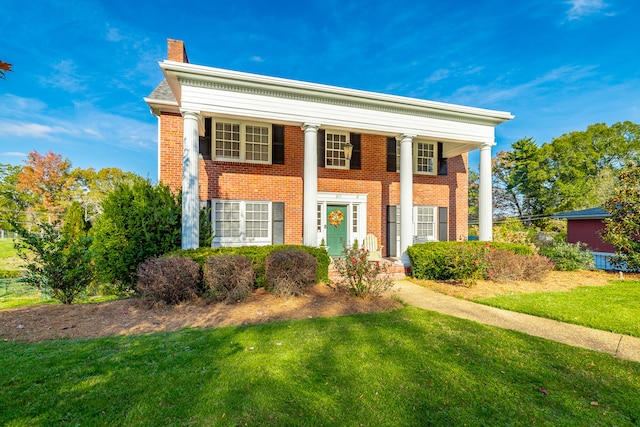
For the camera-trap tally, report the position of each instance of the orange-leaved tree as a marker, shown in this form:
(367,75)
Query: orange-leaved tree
(5,67)
(48,182)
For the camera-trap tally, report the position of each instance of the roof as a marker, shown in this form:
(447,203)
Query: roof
(162,94)
(591,213)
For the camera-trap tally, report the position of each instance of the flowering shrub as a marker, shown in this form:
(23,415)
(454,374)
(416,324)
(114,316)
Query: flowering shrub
(359,275)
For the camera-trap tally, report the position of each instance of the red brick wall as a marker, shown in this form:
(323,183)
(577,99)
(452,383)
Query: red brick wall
(283,183)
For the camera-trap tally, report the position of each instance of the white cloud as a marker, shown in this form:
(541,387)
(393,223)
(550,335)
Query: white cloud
(581,8)
(257,59)
(65,77)
(34,130)
(13,154)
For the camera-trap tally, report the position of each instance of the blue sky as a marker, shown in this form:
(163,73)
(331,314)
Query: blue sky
(81,68)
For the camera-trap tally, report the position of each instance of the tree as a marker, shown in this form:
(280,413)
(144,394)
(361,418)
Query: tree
(139,221)
(5,67)
(474,194)
(55,262)
(575,171)
(91,187)
(622,228)
(13,203)
(47,181)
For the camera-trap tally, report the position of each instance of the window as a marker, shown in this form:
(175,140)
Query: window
(425,222)
(424,157)
(238,222)
(319,217)
(244,142)
(334,155)
(354,218)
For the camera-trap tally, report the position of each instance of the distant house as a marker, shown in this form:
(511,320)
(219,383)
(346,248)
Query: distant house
(585,226)
(286,161)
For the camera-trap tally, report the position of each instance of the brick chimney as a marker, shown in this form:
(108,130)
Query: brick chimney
(176,51)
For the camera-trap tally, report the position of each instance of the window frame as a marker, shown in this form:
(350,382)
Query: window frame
(242,239)
(242,156)
(414,148)
(347,162)
(434,223)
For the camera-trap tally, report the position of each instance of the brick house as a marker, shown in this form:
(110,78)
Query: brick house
(284,161)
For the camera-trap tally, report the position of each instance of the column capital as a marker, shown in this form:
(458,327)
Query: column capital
(405,136)
(489,145)
(310,126)
(190,114)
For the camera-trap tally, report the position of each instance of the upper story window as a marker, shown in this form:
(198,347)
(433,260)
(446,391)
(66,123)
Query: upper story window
(424,157)
(424,154)
(334,150)
(245,142)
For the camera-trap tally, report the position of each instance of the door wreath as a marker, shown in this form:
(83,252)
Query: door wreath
(336,218)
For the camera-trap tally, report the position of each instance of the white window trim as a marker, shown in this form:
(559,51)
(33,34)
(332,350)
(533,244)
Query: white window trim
(243,141)
(242,240)
(434,237)
(347,162)
(414,148)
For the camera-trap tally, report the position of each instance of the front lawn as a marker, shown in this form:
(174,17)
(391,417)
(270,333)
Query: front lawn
(614,307)
(404,367)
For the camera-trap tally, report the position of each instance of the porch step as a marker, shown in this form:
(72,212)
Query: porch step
(395,270)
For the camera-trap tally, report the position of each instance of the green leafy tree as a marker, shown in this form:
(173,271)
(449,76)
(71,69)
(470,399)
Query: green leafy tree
(622,228)
(92,187)
(138,221)
(576,170)
(54,261)
(75,226)
(13,203)
(474,193)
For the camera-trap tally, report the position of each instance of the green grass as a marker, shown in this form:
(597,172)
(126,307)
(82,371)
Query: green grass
(614,307)
(8,256)
(405,367)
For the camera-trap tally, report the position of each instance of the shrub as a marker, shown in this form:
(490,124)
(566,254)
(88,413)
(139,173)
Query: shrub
(229,277)
(504,266)
(139,221)
(258,255)
(456,260)
(290,272)
(169,280)
(569,257)
(59,263)
(362,277)
(447,260)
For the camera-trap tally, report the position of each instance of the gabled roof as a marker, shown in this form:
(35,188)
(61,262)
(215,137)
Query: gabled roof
(591,213)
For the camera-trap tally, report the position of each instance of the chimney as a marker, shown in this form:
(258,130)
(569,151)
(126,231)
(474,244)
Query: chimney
(176,51)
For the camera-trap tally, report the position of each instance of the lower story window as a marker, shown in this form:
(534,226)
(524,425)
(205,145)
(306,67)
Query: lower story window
(241,222)
(425,222)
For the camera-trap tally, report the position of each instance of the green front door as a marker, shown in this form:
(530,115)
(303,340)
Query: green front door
(336,229)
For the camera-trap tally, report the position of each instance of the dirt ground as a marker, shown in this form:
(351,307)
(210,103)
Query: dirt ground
(127,317)
(131,316)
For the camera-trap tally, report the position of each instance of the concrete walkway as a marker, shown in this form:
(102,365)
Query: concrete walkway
(621,346)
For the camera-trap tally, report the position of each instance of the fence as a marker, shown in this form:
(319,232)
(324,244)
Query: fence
(15,287)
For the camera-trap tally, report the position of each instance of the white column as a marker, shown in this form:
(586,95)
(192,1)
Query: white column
(310,187)
(485,209)
(190,193)
(406,195)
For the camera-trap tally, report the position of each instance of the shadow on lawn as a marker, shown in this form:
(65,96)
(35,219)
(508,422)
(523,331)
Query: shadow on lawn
(404,367)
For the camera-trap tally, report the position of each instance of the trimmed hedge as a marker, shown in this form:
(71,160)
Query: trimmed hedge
(258,255)
(456,260)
